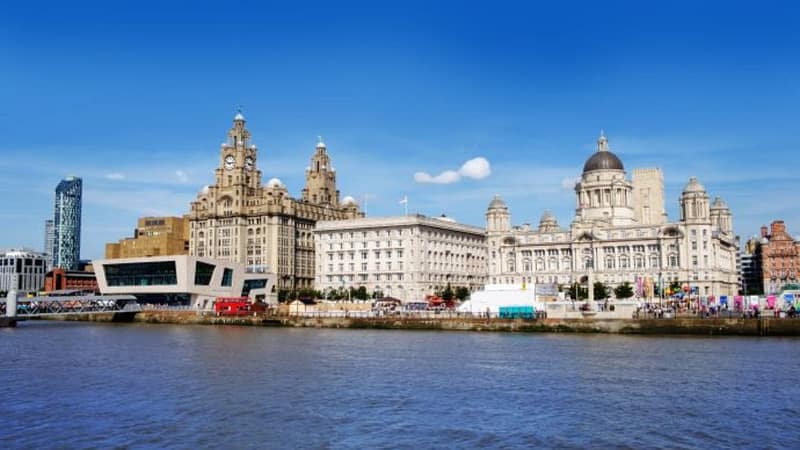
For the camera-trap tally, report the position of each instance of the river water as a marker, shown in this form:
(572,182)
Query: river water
(84,385)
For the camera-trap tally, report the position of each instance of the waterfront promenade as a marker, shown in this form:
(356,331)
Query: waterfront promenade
(444,321)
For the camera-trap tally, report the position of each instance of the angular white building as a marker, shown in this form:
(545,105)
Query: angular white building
(181,280)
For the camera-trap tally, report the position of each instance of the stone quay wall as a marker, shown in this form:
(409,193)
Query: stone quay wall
(678,326)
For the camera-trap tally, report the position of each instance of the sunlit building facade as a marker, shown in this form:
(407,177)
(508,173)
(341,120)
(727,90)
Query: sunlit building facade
(620,232)
(239,219)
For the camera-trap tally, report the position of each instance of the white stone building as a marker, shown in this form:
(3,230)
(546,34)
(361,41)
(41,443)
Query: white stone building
(621,232)
(22,270)
(406,257)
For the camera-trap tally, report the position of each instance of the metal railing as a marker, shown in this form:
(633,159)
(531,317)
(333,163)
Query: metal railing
(45,306)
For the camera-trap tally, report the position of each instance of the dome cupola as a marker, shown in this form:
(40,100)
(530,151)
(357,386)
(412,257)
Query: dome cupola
(603,159)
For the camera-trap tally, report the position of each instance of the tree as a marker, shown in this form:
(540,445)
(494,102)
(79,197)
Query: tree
(447,295)
(576,292)
(624,290)
(462,293)
(283,295)
(600,290)
(360,293)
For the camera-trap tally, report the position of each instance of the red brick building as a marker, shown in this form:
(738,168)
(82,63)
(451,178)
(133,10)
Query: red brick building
(779,257)
(59,279)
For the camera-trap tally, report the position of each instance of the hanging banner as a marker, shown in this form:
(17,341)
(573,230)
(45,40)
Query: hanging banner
(771,301)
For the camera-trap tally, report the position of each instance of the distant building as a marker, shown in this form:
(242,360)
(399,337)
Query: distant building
(67,223)
(241,220)
(406,257)
(49,240)
(778,255)
(153,236)
(751,275)
(22,270)
(620,233)
(182,280)
(60,279)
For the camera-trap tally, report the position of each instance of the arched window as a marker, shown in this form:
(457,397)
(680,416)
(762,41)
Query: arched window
(527,265)
(638,261)
(553,263)
(539,265)
(511,265)
(654,262)
(624,262)
(609,262)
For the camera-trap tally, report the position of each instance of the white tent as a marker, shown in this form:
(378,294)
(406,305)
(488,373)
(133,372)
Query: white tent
(496,295)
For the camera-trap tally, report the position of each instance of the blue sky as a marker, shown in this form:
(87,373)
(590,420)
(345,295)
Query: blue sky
(136,97)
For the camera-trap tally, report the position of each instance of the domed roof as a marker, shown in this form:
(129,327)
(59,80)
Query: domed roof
(239,116)
(497,203)
(320,144)
(348,200)
(719,203)
(603,159)
(274,182)
(547,217)
(693,186)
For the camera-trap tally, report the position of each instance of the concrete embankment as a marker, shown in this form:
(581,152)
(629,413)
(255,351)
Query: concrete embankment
(679,326)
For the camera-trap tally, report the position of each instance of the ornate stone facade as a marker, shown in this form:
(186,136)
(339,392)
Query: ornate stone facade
(620,232)
(239,219)
(778,255)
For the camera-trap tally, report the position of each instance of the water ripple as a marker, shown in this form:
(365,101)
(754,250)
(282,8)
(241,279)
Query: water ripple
(77,385)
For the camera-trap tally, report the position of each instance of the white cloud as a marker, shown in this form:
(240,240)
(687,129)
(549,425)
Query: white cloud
(115,176)
(476,168)
(182,176)
(446,177)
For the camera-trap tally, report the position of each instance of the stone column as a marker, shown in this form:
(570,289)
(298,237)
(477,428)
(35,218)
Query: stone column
(11,303)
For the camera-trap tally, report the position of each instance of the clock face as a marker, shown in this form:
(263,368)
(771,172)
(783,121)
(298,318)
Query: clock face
(248,163)
(229,162)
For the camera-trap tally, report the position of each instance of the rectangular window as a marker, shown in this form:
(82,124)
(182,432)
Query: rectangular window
(142,274)
(203,273)
(227,277)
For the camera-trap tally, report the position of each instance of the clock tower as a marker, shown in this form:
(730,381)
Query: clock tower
(237,165)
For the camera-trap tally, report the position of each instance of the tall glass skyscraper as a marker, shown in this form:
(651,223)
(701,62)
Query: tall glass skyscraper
(49,240)
(67,223)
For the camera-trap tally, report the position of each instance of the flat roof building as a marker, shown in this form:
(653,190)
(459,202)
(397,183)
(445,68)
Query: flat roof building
(181,280)
(406,257)
(153,236)
(22,270)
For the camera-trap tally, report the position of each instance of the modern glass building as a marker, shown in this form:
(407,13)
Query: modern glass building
(182,280)
(67,223)
(49,239)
